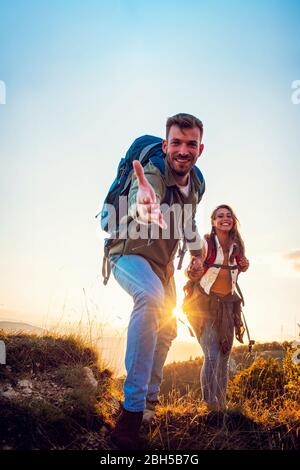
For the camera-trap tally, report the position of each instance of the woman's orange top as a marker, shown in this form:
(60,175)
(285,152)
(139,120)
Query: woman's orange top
(222,285)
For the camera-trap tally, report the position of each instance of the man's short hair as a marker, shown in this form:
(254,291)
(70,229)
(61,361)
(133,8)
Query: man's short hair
(184,121)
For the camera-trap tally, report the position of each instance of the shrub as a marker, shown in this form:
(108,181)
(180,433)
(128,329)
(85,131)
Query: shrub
(291,377)
(263,380)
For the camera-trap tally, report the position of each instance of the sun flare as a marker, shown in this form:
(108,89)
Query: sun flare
(177,312)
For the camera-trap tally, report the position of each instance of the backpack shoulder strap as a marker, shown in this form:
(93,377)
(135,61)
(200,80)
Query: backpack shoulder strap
(211,253)
(147,149)
(200,182)
(142,149)
(159,162)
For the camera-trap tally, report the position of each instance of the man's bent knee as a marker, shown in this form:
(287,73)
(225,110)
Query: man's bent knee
(151,298)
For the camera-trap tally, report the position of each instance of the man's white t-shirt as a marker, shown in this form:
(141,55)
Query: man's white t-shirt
(185,189)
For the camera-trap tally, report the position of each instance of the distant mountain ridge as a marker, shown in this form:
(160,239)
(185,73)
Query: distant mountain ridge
(11,326)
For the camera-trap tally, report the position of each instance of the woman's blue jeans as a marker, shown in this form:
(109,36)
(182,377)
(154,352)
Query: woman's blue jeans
(215,370)
(151,329)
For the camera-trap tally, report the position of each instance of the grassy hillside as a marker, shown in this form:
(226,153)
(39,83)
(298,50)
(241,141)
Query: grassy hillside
(56,394)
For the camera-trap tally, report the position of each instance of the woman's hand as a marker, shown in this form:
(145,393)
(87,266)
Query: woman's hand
(244,264)
(195,269)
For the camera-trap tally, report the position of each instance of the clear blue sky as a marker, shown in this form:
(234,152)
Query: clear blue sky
(83,79)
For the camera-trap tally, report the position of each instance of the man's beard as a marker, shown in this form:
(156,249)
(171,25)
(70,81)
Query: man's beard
(176,171)
(181,172)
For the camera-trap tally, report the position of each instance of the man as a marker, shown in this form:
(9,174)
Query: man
(144,268)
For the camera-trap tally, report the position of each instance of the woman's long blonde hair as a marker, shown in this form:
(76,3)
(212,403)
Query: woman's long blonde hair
(234,235)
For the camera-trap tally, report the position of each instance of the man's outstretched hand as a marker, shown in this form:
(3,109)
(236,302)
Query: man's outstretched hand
(147,206)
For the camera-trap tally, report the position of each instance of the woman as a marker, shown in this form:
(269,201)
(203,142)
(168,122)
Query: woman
(212,305)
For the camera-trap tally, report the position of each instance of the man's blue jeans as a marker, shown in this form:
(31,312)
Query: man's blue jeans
(215,369)
(151,329)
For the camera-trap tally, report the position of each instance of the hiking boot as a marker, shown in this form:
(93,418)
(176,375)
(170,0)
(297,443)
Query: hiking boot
(213,406)
(125,436)
(149,412)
